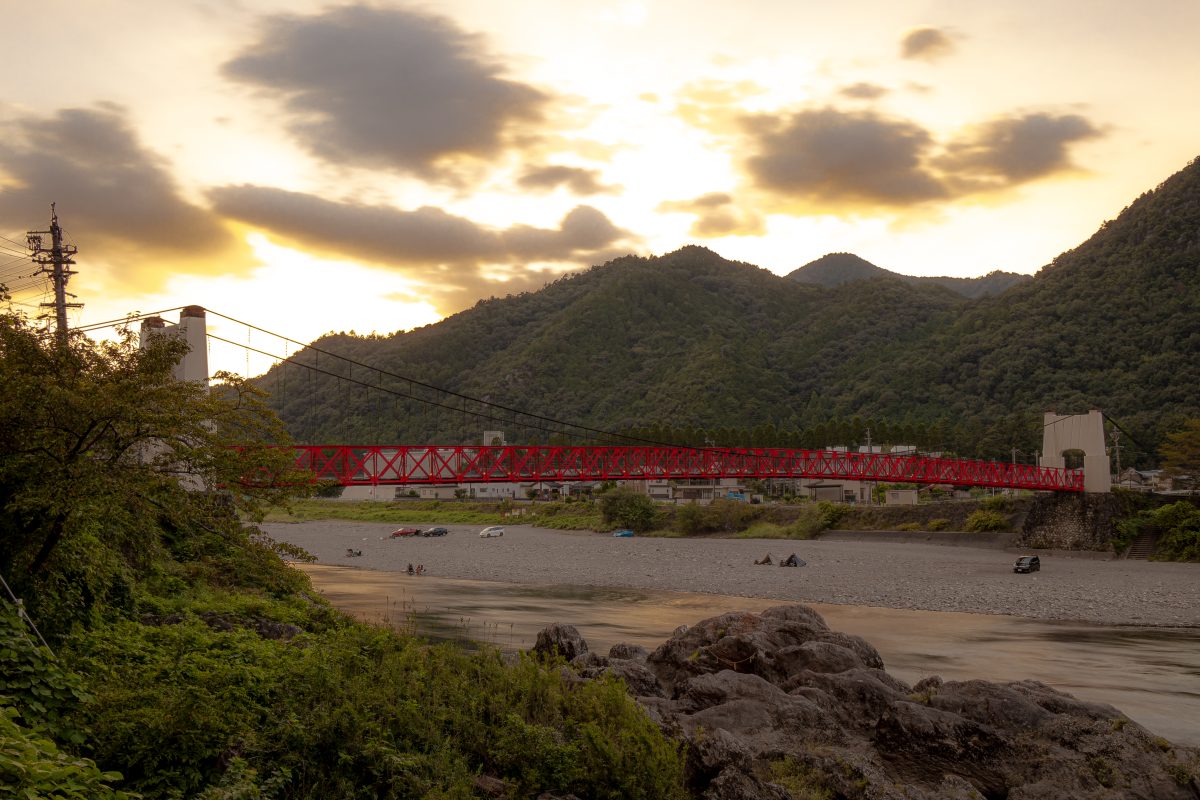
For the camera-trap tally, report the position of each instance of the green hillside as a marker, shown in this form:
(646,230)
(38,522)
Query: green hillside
(686,339)
(690,346)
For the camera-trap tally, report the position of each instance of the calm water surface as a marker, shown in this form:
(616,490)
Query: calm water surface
(1150,674)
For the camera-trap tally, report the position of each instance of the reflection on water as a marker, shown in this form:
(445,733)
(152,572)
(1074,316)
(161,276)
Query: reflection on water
(1148,673)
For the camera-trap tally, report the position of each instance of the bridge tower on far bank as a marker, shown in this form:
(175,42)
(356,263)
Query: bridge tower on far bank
(1063,432)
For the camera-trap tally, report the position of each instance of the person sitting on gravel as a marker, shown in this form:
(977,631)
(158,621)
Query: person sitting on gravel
(420,569)
(410,569)
(765,559)
(351,552)
(792,561)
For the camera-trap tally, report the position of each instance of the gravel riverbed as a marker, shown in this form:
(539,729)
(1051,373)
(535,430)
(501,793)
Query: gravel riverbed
(860,573)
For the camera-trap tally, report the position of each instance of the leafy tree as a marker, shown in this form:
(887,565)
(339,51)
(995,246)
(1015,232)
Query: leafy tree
(1181,453)
(100,444)
(626,508)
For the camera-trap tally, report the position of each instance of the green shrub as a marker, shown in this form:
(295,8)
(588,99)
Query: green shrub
(982,521)
(814,518)
(625,508)
(937,524)
(999,502)
(32,767)
(328,489)
(358,712)
(689,519)
(39,692)
(909,526)
(1179,526)
(801,781)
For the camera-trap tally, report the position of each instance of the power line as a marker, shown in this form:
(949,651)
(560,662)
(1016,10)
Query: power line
(562,426)
(92,326)
(1133,438)
(438,389)
(392,392)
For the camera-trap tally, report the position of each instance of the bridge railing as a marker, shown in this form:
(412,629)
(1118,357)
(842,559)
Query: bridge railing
(377,465)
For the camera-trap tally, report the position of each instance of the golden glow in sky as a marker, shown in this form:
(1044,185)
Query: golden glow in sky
(376,166)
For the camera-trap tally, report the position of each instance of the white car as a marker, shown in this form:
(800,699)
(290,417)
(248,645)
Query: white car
(488,533)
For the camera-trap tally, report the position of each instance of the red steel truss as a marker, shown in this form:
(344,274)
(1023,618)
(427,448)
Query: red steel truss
(376,465)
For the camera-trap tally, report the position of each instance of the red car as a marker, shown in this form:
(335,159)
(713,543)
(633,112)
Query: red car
(405,532)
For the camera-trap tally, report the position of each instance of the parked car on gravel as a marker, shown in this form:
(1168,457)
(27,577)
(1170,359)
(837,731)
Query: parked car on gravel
(488,533)
(396,534)
(1027,564)
(435,532)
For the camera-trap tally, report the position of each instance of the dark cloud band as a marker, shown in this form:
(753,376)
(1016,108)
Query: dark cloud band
(427,237)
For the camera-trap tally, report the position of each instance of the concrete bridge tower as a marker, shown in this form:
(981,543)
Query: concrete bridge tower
(193,330)
(1063,432)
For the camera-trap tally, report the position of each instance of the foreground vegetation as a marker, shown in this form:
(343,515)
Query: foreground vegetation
(184,658)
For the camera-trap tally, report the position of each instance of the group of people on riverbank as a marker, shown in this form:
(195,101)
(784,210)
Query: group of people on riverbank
(791,561)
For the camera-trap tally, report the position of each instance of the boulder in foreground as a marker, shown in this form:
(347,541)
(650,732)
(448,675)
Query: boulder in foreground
(777,705)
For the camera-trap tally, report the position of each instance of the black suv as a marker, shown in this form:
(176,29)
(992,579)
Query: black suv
(434,532)
(1027,564)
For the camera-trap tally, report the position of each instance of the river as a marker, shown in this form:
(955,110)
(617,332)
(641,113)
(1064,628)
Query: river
(1150,674)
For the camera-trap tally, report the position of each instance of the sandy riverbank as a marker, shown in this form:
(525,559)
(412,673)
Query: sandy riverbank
(906,576)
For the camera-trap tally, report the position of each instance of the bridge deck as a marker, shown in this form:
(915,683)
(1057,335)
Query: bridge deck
(376,465)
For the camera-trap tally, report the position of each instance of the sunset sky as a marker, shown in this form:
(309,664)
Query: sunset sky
(311,167)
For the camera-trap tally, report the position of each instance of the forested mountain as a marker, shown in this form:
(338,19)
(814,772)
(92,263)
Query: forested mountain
(835,269)
(691,346)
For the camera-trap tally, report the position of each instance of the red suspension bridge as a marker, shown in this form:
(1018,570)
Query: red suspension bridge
(432,464)
(376,465)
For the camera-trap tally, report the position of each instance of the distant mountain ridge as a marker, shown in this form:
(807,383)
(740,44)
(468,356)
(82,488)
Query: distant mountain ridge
(691,341)
(835,269)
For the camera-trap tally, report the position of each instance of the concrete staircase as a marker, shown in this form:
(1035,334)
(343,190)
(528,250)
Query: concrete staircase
(1143,546)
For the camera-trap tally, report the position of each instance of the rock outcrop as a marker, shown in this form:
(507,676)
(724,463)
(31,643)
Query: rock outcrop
(777,705)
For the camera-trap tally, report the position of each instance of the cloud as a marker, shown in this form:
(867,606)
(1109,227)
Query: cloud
(926,43)
(389,88)
(863,91)
(116,198)
(841,158)
(833,161)
(550,177)
(1016,149)
(717,214)
(425,241)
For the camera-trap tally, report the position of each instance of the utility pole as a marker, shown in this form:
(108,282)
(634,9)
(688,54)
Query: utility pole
(871,491)
(54,262)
